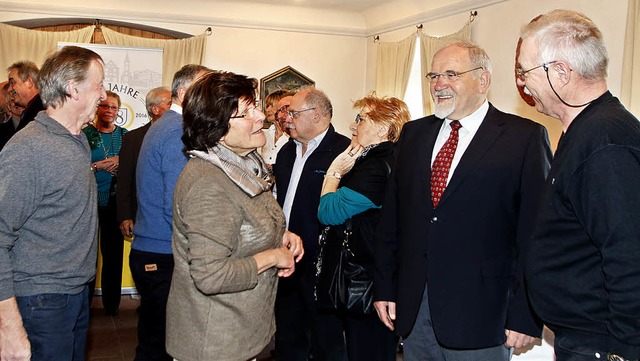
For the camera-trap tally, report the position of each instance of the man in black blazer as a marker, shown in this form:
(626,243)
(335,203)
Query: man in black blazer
(299,171)
(23,76)
(448,277)
(157,102)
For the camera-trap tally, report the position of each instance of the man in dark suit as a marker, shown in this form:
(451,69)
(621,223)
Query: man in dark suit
(447,257)
(299,171)
(10,115)
(158,101)
(23,76)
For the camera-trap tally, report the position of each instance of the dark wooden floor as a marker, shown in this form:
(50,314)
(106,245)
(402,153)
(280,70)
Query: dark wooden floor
(113,338)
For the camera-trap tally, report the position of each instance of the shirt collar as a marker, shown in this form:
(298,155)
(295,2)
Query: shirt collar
(472,121)
(313,143)
(176,108)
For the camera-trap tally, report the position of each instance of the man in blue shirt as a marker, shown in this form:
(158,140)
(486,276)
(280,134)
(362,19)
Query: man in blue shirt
(160,163)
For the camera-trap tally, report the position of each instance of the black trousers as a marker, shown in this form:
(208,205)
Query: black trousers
(152,274)
(368,339)
(300,329)
(111,248)
(576,349)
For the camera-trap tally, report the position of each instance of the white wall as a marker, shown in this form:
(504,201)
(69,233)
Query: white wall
(497,29)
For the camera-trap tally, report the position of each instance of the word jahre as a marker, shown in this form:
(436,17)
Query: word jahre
(123,89)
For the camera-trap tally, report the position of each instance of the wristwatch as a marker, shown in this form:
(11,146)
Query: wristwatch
(94,167)
(334,175)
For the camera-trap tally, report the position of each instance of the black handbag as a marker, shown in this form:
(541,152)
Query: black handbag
(341,284)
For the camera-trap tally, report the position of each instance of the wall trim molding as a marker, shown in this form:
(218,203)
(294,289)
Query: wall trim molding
(461,6)
(129,15)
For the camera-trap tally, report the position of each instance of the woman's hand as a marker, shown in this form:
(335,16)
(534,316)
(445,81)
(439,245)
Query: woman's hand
(284,262)
(345,160)
(109,164)
(341,165)
(293,243)
(280,258)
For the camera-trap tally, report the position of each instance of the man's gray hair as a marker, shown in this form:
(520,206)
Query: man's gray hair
(70,63)
(569,36)
(317,99)
(26,69)
(477,55)
(184,77)
(154,97)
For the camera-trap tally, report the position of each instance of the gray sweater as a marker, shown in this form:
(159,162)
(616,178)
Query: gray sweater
(48,212)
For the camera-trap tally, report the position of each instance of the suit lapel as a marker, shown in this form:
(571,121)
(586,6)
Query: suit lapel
(485,137)
(425,143)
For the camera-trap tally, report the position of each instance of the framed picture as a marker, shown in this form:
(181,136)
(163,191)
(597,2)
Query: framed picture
(286,78)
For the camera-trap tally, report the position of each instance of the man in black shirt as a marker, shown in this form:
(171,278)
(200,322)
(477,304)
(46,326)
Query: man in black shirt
(582,264)
(23,77)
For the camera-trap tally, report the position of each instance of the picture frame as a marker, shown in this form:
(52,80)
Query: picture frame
(286,78)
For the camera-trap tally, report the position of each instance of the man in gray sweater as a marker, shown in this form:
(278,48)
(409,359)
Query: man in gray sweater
(48,216)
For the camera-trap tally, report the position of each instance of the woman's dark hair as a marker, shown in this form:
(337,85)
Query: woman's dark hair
(209,104)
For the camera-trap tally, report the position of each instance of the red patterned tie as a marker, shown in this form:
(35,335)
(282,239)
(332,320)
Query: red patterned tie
(442,164)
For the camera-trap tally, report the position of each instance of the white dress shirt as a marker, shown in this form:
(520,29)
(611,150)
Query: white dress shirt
(269,151)
(296,172)
(470,125)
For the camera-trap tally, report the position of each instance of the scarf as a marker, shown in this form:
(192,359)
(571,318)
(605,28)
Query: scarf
(249,172)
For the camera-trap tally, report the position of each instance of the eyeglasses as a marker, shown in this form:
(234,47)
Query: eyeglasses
(248,113)
(282,109)
(520,73)
(449,75)
(359,119)
(295,113)
(107,107)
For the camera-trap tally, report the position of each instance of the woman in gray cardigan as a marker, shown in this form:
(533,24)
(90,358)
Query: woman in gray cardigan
(229,239)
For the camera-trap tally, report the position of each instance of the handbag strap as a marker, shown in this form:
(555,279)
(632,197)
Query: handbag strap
(348,230)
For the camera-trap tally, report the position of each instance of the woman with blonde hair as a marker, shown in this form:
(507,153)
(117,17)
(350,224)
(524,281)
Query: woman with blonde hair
(352,195)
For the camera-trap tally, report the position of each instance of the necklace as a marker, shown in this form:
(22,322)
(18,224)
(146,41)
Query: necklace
(106,152)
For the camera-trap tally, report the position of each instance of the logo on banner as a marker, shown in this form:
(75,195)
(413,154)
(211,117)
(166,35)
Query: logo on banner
(132,87)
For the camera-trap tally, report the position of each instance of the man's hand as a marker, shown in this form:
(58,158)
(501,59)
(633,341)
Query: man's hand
(126,227)
(517,340)
(386,312)
(14,343)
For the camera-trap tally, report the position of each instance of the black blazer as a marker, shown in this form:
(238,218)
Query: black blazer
(33,108)
(465,250)
(126,197)
(6,132)
(303,220)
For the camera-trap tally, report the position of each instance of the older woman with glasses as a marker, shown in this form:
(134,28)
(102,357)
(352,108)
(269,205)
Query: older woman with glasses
(352,194)
(105,140)
(229,238)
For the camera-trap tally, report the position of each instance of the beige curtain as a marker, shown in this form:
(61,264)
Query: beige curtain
(18,44)
(394,67)
(177,53)
(428,47)
(630,95)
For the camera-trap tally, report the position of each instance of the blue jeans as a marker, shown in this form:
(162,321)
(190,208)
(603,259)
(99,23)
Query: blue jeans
(56,325)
